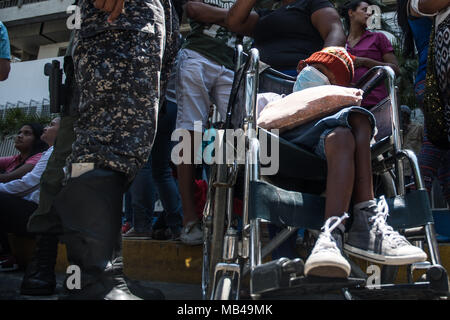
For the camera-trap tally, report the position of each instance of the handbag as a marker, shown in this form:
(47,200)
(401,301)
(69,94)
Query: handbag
(433,107)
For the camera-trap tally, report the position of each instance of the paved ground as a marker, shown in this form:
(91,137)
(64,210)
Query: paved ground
(10,284)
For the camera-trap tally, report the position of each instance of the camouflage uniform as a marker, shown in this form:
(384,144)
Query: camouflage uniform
(117,69)
(43,220)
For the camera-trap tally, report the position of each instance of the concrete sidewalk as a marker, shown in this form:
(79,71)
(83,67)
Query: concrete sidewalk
(147,260)
(10,288)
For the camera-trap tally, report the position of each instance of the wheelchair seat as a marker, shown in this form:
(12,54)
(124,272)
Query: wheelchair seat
(299,169)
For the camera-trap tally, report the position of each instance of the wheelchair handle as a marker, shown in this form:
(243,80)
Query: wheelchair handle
(395,127)
(243,55)
(372,79)
(279,74)
(369,81)
(239,55)
(251,85)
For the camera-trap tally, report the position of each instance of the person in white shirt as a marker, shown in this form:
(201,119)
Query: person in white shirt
(19,199)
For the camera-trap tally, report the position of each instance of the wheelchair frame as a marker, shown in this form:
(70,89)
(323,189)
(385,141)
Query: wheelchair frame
(230,255)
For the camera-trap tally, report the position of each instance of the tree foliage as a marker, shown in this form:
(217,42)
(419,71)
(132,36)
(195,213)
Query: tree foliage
(14,118)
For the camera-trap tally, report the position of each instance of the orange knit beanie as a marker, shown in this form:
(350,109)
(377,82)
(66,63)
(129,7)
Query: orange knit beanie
(337,60)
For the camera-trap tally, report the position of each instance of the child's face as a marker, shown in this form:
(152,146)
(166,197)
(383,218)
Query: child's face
(322,68)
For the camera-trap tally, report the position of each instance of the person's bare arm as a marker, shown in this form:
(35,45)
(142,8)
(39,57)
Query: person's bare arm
(432,6)
(16,174)
(205,13)
(411,12)
(114,7)
(329,25)
(241,19)
(389,60)
(5,67)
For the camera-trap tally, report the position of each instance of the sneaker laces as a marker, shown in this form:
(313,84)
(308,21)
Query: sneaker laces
(379,222)
(327,241)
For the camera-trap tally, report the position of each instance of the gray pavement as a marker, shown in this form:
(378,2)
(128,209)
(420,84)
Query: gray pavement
(10,284)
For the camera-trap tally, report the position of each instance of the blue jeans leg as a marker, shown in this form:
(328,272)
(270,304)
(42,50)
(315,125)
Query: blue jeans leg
(128,212)
(143,198)
(162,172)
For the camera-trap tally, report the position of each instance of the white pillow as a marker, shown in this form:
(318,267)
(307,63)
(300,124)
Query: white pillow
(303,106)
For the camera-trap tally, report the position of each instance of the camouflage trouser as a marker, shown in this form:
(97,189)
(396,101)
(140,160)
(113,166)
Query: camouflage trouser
(118,74)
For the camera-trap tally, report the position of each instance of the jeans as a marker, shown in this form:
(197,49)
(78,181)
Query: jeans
(157,173)
(127,212)
(435,163)
(14,215)
(312,134)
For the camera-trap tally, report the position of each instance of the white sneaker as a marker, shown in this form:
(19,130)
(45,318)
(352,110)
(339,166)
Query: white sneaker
(371,238)
(326,259)
(192,233)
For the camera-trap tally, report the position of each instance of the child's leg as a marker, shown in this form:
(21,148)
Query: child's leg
(348,158)
(186,182)
(340,153)
(326,259)
(362,131)
(370,237)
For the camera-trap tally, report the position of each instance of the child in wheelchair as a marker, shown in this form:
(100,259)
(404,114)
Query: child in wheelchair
(343,140)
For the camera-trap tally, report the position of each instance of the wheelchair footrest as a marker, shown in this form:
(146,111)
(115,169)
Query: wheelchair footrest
(275,274)
(308,287)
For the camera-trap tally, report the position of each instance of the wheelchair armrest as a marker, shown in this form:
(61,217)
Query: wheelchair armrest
(372,79)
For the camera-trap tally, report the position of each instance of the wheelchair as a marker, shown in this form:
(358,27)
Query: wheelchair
(233,250)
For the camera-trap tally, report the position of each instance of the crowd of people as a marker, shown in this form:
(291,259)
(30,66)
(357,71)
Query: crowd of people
(134,80)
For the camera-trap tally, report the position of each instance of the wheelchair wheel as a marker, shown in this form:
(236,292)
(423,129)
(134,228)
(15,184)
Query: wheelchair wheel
(214,229)
(223,289)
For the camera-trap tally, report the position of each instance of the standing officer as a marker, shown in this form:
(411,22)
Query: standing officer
(118,56)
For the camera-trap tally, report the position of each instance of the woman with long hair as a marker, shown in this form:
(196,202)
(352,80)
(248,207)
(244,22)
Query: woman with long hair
(30,146)
(19,198)
(370,48)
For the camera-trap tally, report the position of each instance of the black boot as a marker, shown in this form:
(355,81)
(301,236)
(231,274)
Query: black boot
(125,284)
(39,278)
(90,207)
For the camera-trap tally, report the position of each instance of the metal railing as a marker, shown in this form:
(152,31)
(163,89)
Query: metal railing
(16,3)
(7,147)
(8,3)
(33,107)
